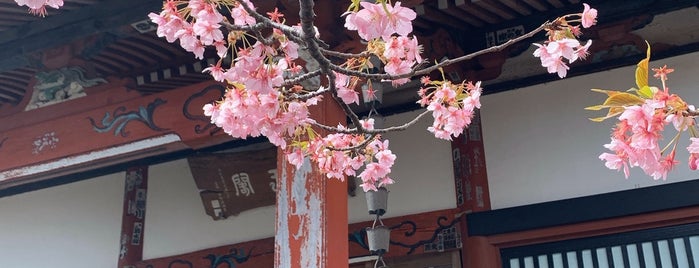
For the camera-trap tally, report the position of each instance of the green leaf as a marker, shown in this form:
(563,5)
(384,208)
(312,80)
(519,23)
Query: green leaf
(623,99)
(605,91)
(311,133)
(645,92)
(642,70)
(597,107)
(616,102)
(610,115)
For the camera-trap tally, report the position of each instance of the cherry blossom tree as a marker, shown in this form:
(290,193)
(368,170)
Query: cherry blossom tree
(270,90)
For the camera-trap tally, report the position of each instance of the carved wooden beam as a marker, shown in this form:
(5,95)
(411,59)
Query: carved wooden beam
(106,134)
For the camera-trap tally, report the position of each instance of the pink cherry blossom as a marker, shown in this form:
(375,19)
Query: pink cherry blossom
(473,100)
(693,149)
(666,165)
(563,48)
(198,50)
(582,51)
(693,161)
(398,67)
(589,16)
(205,12)
(347,95)
(542,53)
(552,62)
(367,124)
(169,24)
(559,67)
(216,72)
(399,21)
(221,48)
(638,116)
(373,21)
(240,15)
(208,32)
(295,158)
(369,22)
(614,161)
(38,7)
(290,49)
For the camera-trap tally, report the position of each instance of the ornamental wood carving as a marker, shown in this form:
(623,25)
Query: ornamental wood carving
(85,132)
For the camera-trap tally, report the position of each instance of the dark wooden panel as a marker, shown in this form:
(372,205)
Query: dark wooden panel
(584,209)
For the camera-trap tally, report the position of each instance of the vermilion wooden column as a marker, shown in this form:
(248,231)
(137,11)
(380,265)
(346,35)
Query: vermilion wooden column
(134,217)
(472,194)
(311,227)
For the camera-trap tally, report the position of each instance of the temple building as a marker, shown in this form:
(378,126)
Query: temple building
(107,159)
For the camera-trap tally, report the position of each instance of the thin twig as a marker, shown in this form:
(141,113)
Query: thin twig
(358,146)
(343,55)
(295,96)
(416,71)
(357,130)
(302,77)
(289,31)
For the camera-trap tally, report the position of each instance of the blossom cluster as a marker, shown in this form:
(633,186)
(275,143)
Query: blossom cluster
(261,101)
(38,7)
(452,105)
(563,47)
(372,157)
(635,140)
(200,29)
(259,61)
(387,28)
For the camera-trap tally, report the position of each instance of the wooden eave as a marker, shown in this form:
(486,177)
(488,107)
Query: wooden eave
(98,36)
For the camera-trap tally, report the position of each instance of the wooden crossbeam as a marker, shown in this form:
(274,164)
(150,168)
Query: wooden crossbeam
(88,129)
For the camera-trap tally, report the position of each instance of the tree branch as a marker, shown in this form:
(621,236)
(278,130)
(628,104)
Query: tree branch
(342,55)
(416,71)
(302,77)
(358,130)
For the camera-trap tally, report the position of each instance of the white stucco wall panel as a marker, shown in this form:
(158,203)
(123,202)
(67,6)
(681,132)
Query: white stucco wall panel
(176,222)
(75,225)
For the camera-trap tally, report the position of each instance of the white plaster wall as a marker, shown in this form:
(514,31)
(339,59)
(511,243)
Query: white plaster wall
(540,146)
(177,223)
(71,226)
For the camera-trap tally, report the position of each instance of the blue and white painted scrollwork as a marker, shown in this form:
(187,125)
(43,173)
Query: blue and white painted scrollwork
(118,119)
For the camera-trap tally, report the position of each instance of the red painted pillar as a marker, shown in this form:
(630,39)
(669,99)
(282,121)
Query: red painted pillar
(478,252)
(312,224)
(133,219)
(472,194)
(470,175)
